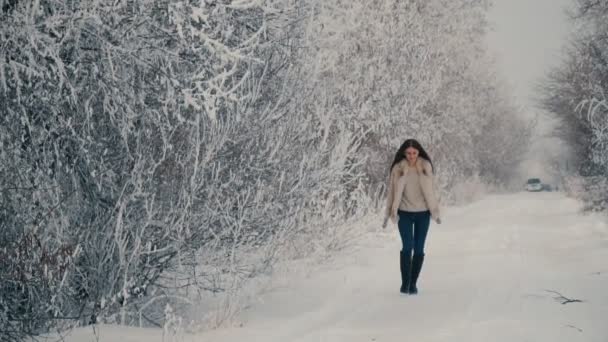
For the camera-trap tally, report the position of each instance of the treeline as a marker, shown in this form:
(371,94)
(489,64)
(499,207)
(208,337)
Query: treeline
(154,150)
(576,93)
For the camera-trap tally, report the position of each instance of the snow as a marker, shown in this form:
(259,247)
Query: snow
(488,276)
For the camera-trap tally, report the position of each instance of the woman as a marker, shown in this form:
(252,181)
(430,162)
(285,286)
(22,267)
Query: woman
(411,203)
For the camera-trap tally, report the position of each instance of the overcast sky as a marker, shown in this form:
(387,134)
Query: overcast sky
(527,39)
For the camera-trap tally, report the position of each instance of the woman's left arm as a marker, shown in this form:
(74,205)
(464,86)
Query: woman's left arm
(428,190)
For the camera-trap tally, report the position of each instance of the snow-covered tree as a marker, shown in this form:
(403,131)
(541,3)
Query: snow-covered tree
(576,92)
(154,149)
(390,70)
(120,133)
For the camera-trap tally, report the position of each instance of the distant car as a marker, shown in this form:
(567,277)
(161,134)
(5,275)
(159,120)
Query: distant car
(547,187)
(534,184)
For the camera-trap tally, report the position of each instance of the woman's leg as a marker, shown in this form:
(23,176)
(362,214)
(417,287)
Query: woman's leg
(421,228)
(406,225)
(406,231)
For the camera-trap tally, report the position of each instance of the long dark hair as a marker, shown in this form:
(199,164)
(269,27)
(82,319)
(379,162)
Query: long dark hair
(400,155)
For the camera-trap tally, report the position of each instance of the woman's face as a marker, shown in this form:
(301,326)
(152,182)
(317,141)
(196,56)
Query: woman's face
(411,154)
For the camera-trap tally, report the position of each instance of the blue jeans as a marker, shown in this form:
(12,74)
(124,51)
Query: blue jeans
(413,227)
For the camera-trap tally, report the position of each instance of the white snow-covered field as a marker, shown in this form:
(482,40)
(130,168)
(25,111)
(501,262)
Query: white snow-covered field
(493,272)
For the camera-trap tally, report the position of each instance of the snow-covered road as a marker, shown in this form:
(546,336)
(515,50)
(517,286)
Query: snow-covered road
(492,273)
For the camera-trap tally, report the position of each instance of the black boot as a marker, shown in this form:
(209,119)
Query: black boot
(405,262)
(417,261)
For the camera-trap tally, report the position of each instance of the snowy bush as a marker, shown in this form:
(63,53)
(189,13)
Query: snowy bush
(391,70)
(468,191)
(127,136)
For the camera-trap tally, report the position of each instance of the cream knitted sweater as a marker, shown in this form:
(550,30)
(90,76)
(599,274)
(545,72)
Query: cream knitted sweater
(411,189)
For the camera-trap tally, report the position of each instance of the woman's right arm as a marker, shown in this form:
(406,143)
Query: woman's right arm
(395,190)
(390,194)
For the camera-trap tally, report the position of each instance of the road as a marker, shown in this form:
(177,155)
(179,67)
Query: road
(494,271)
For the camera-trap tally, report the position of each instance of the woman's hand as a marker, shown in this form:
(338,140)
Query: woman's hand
(394,216)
